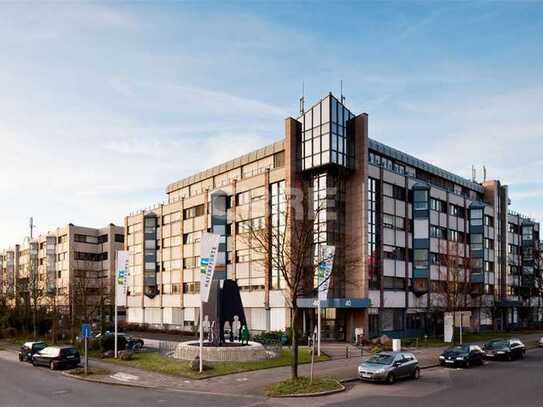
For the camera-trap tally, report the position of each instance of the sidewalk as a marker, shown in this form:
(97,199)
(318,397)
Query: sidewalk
(255,382)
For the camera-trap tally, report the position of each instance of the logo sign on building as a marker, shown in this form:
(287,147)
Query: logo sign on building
(209,247)
(121,278)
(324,272)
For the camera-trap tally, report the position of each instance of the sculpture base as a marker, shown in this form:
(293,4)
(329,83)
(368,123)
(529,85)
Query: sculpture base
(231,352)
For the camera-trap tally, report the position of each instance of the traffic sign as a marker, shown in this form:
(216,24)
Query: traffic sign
(86,331)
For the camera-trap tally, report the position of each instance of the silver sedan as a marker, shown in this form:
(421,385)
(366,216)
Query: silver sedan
(389,367)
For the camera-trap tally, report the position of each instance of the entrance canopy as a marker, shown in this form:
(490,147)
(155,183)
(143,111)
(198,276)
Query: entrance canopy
(354,303)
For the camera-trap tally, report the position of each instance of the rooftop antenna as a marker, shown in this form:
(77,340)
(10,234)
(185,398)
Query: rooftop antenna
(342,98)
(32,226)
(302,99)
(484,173)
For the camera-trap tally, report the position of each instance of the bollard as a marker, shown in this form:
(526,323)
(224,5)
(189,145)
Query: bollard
(346,352)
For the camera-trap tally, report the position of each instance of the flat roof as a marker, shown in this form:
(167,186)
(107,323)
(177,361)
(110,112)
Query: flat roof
(423,165)
(228,165)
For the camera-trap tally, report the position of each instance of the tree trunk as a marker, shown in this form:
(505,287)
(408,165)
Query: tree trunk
(294,329)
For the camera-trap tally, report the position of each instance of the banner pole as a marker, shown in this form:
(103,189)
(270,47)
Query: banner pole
(115,306)
(201,336)
(116,330)
(318,327)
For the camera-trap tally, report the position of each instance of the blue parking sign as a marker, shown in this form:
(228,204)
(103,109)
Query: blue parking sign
(86,331)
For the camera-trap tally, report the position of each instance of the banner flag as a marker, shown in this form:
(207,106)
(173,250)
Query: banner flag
(326,263)
(209,248)
(121,278)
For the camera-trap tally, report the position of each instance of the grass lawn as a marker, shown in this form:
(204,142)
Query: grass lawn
(80,371)
(302,386)
(154,362)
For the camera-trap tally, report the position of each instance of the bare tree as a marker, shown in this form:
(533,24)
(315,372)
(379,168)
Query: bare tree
(452,292)
(89,295)
(288,247)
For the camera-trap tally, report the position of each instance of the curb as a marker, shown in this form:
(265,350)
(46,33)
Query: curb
(92,380)
(319,394)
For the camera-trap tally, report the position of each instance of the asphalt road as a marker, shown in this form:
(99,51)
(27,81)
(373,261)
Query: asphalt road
(497,384)
(22,385)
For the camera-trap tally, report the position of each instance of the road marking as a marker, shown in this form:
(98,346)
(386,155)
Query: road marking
(124,377)
(60,392)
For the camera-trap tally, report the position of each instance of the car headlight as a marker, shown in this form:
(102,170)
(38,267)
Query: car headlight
(442,357)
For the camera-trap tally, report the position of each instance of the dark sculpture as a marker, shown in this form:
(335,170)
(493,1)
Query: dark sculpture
(225,305)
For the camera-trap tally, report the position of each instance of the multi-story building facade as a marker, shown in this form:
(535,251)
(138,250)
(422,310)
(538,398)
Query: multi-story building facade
(430,241)
(70,269)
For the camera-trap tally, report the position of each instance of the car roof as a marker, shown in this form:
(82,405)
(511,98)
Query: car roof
(34,343)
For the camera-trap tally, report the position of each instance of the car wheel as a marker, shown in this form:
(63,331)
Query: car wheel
(468,364)
(391,379)
(137,346)
(416,374)
(34,363)
(20,357)
(52,365)
(509,357)
(521,355)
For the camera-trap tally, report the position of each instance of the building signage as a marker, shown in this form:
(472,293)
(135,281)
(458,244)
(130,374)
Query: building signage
(324,272)
(209,247)
(121,278)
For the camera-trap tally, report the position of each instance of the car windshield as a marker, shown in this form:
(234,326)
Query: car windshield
(459,349)
(69,351)
(39,346)
(498,344)
(381,359)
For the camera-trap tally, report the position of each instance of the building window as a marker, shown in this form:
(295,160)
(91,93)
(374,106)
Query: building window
(476,241)
(489,221)
(242,256)
(420,199)
(420,258)
(373,235)
(394,283)
(193,212)
(527,232)
(119,238)
(279,159)
(476,217)
(388,221)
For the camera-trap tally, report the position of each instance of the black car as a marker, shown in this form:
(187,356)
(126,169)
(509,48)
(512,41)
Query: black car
(130,342)
(507,349)
(56,357)
(463,355)
(29,349)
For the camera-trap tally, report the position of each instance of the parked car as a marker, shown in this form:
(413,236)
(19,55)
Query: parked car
(389,367)
(29,349)
(132,343)
(540,343)
(507,349)
(463,355)
(57,357)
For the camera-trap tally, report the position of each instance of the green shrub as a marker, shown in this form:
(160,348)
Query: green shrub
(107,342)
(269,338)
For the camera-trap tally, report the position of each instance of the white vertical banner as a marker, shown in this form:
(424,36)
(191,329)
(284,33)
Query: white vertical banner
(324,272)
(121,278)
(209,247)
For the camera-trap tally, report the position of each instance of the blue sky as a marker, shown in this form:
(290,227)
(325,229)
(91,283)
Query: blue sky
(103,104)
